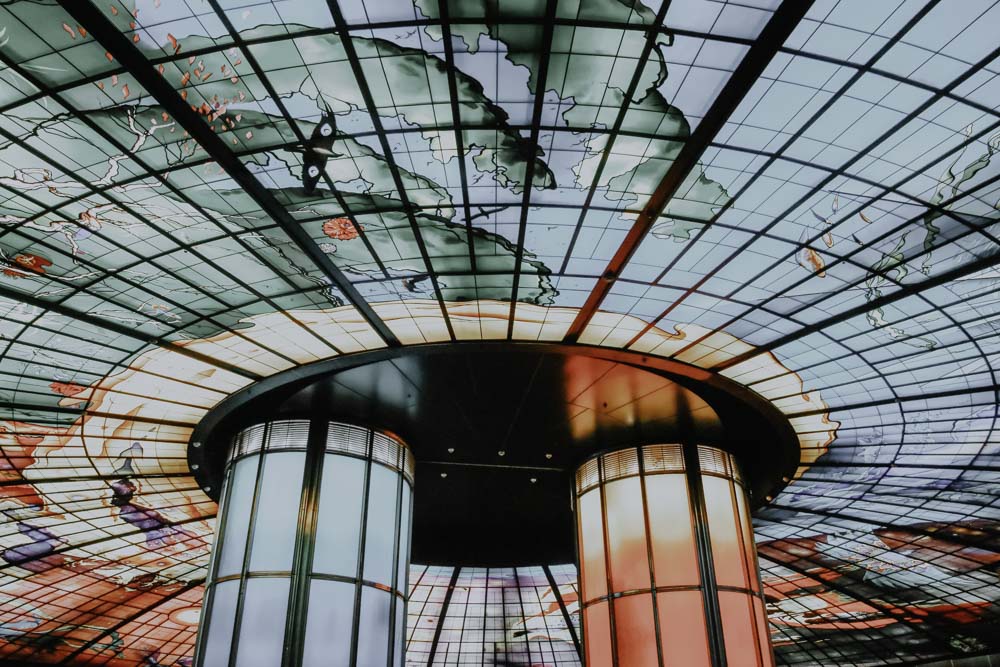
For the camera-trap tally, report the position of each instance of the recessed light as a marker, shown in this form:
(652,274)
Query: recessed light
(443,475)
(534,479)
(502,452)
(451,450)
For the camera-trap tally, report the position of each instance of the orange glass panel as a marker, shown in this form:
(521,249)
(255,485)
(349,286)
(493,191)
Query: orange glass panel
(597,634)
(626,535)
(742,648)
(675,558)
(749,546)
(682,629)
(635,631)
(591,531)
(763,633)
(725,535)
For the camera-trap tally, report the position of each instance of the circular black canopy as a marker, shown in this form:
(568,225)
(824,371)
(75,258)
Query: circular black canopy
(498,429)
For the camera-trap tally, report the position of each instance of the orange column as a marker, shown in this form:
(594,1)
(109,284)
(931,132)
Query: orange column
(668,568)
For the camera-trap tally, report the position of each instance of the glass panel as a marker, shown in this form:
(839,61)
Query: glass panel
(749,547)
(339,521)
(763,631)
(220,626)
(597,626)
(262,627)
(591,536)
(380,530)
(404,539)
(373,627)
(626,535)
(238,506)
(397,657)
(635,631)
(329,624)
(675,559)
(277,512)
(738,630)
(725,535)
(682,629)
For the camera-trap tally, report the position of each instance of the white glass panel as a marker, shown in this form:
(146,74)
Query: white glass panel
(277,512)
(220,627)
(404,540)
(339,525)
(329,624)
(373,627)
(397,658)
(381,528)
(238,506)
(262,630)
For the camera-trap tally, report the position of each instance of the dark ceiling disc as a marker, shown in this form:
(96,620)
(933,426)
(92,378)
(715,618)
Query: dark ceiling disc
(497,430)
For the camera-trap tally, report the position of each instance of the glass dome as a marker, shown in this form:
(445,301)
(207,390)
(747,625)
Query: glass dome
(800,197)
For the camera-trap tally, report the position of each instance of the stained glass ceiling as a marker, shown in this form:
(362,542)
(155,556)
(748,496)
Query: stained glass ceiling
(800,196)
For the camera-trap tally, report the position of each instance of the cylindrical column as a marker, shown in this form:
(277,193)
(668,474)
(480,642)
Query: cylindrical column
(312,549)
(668,568)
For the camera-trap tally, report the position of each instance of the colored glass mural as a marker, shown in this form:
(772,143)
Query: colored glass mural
(800,196)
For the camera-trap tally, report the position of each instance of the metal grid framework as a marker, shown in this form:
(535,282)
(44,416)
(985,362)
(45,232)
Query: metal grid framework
(799,195)
(493,616)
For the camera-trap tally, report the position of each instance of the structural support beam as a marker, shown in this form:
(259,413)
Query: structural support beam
(554,585)
(444,614)
(771,38)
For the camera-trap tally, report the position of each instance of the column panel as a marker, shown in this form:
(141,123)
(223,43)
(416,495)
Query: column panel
(312,549)
(667,561)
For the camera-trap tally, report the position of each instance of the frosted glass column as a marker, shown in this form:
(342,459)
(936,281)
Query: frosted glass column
(312,549)
(668,568)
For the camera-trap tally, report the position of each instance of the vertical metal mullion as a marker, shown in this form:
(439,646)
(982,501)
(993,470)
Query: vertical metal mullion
(745,561)
(486,606)
(541,80)
(406,572)
(394,579)
(213,565)
(524,618)
(709,587)
(750,567)
(649,558)
(607,564)
(444,614)
(244,567)
(562,607)
(582,641)
(305,543)
(359,574)
(416,584)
